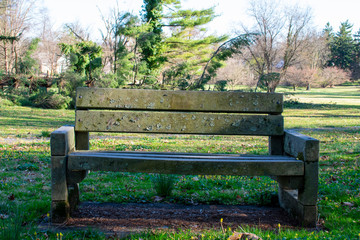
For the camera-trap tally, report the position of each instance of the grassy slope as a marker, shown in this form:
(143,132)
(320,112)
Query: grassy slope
(25,172)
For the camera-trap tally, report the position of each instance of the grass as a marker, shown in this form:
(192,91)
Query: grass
(25,170)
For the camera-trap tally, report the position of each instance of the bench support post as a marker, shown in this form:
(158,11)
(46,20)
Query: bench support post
(62,143)
(75,177)
(301,202)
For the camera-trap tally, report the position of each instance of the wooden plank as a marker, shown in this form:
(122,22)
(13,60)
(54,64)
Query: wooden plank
(192,166)
(301,146)
(308,194)
(82,141)
(62,141)
(290,183)
(177,155)
(179,123)
(203,101)
(60,208)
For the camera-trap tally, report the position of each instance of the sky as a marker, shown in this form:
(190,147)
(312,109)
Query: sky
(231,12)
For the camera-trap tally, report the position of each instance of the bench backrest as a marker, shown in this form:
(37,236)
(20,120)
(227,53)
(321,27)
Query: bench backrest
(178,112)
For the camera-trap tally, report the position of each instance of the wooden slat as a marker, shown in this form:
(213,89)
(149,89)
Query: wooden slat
(301,146)
(178,122)
(204,101)
(192,164)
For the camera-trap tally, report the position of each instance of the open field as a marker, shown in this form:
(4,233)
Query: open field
(330,115)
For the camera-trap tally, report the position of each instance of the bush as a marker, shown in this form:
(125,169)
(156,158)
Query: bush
(49,100)
(220,85)
(69,81)
(332,76)
(6,102)
(296,77)
(108,81)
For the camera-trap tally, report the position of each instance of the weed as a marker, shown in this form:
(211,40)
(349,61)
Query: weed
(45,134)
(11,223)
(164,184)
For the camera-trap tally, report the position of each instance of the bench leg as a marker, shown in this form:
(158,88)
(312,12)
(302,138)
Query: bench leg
(60,208)
(302,202)
(62,143)
(73,180)
(74,196)
(305,214)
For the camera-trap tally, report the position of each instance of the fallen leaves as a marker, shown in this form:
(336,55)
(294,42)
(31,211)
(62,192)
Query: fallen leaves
(240,236)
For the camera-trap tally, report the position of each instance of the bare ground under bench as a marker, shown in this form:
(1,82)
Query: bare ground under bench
(133,217)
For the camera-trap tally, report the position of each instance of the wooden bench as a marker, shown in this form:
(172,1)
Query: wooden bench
(292,160)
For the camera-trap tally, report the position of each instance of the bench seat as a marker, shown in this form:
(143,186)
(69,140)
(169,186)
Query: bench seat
(186,163)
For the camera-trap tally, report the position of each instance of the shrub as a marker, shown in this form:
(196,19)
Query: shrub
(6,102)
(220,85)
(332,76)
(109,80)
(296,77)
(50,100)
(68,82)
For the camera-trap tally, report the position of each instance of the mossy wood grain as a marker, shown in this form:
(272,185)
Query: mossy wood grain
(203,101)
(179,123)
(177,164)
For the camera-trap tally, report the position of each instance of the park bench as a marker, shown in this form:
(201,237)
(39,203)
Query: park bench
(292,159)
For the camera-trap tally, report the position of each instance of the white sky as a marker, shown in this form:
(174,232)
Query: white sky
(231,12)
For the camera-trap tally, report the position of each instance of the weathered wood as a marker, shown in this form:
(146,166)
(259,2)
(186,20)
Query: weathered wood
(276,145)
(302,147)
(141,99)
(170,164)
(60,209)
(306,215)
(179,123)
(62,141)
(58,178)
(184,112)
(289,183)
(308,194)
(82,140)
(74,196)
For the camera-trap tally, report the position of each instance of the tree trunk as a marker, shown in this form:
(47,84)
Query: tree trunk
(15,59)
(6,60)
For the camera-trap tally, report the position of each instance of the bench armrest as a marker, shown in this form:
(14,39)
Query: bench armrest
(301,146)
(62,141)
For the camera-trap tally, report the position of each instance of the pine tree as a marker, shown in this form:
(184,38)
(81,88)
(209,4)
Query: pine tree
(188,49)
(151,41)
(342,47)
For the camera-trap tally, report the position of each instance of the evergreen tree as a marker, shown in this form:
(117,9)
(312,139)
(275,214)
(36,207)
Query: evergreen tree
(27,63)
(151,41)
(342,47)
(188,50)
(84,57)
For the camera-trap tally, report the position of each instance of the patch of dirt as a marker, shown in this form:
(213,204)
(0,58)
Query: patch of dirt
(132,217)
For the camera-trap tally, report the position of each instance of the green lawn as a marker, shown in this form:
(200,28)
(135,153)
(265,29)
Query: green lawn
(330,115)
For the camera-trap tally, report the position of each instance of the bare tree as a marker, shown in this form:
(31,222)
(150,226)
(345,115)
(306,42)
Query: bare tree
(14,21)
(236,72)
(48,52)
(297,34)
(282,33)
(316,53)
(75,28)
